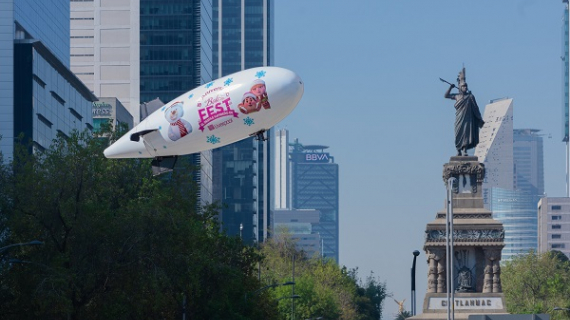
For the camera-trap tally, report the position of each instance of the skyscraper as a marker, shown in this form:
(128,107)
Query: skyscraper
(495,148)
(282,170)
(315,185)
(565,98)
(105,49)
(39,96)
(242,40)
(528,162)
(176,56)
(514,181)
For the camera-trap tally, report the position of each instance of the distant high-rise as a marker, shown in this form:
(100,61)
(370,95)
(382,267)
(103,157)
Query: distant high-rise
(282,170)
(565,98)
(315,185)
(242,39)
(301,225)
(514,180)
(39,96)
(528,162)
(495,148)
(554,225)
(105,49)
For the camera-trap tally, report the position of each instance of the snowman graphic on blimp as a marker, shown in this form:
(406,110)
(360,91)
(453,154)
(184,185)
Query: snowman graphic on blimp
(178,127)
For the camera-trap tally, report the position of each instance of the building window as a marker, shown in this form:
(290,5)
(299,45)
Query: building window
(61,133)
(556,226)
(44,120)
(39,80)
(38,147)
(558,246)
(556,207)
(57,98)
(75,114)
(556,236)
(556,217)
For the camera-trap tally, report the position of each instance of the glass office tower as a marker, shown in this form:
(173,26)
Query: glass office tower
(39,96)
(316,186)
(518,213)
(242,40)
(175,57)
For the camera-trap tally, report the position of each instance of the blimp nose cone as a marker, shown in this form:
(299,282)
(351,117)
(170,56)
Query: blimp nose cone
(125,148)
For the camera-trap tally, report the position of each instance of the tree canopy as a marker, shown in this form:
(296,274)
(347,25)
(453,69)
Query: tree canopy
(537,283)
(119,243)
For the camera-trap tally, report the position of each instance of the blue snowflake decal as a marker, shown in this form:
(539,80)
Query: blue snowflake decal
(260,74)
(228,81)
(159,128)
(213,139)
(190,96)
(210,84)
(248,121)
(163,108)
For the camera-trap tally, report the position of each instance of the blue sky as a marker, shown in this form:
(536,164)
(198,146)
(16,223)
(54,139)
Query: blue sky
(372,94)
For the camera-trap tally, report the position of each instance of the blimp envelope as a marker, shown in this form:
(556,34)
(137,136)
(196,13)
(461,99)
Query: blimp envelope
(213,115)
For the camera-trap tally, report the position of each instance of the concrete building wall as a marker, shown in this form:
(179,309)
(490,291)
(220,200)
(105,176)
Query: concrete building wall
(281,170)
(105,49)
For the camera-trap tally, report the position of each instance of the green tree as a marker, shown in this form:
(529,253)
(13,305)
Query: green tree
(536,283)
(118,243)
(403,315)
(325,289)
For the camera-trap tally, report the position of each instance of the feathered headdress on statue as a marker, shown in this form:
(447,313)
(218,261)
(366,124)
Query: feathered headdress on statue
(461,77)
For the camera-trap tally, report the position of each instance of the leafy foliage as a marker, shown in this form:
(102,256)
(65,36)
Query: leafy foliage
(537,283)
(324,289)
(121,244)
(118,243)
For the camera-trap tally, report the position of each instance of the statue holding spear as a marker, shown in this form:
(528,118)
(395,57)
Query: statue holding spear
(468,118)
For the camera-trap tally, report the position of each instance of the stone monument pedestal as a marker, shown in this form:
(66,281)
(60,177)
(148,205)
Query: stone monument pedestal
(478,241)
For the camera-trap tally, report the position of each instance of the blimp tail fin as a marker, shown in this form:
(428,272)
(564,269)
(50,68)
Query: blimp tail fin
(162,165)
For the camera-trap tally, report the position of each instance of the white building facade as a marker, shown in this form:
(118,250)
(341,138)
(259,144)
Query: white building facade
(105,46)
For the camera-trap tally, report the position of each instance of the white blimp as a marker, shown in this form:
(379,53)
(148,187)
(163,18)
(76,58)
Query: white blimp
(223,111)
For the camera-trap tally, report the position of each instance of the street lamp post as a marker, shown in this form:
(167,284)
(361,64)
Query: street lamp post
(416,253)
(449,250)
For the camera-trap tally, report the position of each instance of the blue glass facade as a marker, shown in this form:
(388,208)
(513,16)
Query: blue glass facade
(315,185)
(170,48)
(241,40)
(565,38)
(39,96)
(175,57)
(518,213)
(517,208)
(47,21)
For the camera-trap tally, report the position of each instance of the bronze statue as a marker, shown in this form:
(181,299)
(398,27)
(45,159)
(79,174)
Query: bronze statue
(468,119)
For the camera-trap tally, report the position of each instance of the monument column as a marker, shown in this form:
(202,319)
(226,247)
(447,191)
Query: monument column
(477,238)
(478,241)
